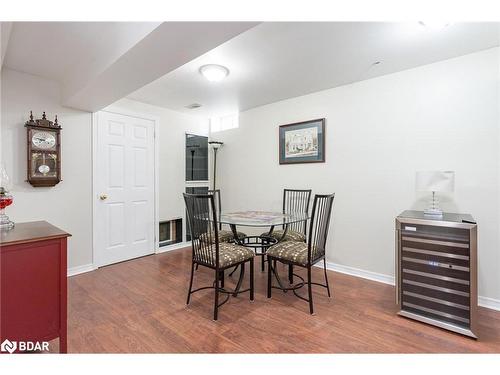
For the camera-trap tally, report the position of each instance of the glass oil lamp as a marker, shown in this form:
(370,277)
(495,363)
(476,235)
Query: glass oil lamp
(6,199)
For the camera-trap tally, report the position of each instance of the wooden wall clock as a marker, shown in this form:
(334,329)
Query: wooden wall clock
(44,151)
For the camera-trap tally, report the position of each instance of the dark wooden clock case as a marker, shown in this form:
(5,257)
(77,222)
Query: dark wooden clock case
(43,125)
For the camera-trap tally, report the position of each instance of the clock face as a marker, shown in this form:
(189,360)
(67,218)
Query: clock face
(43,140)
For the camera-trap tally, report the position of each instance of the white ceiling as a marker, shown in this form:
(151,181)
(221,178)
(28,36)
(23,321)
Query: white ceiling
(98,63)
(55,50)
(275,61)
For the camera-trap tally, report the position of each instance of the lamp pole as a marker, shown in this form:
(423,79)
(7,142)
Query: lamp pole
(192,148)
(215,145)
(192,164)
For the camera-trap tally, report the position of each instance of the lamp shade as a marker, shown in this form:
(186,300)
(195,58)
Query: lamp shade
(216,144)
(435,181)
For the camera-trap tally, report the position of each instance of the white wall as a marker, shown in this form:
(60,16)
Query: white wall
(442,116)
(67,205)
(172,163)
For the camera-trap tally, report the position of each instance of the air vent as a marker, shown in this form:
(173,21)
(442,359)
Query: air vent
(193,106)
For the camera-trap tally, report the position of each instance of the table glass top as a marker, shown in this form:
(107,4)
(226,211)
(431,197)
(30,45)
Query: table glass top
(260,218)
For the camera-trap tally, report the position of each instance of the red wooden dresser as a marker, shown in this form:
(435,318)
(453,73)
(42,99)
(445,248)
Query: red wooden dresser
(33,275)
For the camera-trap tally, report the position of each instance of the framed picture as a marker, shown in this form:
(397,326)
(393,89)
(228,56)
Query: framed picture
(302,142)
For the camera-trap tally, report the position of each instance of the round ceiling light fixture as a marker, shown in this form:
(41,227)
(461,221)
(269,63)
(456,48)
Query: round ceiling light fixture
(214,72)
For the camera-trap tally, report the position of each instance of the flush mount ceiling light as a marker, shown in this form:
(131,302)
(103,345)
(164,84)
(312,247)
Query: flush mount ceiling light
(214,72)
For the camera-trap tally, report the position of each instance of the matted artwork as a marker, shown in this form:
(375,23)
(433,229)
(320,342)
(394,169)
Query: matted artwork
(302,142)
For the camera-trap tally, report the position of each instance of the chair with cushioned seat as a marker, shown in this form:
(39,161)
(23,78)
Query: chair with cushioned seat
(303,254)
(294,201)
(224,235)
(207,251)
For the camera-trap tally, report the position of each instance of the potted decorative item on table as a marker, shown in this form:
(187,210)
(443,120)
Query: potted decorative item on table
(6,199)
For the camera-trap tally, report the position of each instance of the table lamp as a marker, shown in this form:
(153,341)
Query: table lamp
(6,198)
(435,181)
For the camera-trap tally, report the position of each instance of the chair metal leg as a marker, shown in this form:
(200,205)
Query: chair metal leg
(309,289)
(262,261)
(221,276)
(233,271)
(190,283)
(290,273)
(326,277)
(251,280)
(216,302)
(269,279)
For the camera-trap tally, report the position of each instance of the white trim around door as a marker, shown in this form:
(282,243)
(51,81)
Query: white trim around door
(95,191)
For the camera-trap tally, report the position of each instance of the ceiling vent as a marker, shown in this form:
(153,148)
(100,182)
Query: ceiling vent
(193,106)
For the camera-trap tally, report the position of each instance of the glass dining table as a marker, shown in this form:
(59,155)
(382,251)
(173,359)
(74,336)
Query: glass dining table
(260,243)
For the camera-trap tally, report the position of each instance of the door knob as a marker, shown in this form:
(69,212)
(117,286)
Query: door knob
(103,197)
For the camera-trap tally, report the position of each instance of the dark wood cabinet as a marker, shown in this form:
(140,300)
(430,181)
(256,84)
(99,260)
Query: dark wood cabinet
(33,283)
(436,270)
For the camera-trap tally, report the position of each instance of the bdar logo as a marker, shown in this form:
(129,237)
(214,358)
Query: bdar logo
(8,346)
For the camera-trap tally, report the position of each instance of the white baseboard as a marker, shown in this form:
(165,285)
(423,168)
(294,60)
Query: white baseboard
(175,246)
(487,302)
(80,269)
(379,277)
(90,267)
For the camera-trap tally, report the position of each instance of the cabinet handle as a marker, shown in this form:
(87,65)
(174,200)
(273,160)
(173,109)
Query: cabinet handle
(103,197)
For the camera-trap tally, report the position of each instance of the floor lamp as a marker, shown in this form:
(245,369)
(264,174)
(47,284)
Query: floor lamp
(215,145)
(192,148)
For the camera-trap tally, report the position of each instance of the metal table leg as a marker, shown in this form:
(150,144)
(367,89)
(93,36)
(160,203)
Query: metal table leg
(277,276)
(290,269)
(240,280)
(235,234)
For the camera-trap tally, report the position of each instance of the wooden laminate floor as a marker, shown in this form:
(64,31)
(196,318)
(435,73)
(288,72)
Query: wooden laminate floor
(139,306)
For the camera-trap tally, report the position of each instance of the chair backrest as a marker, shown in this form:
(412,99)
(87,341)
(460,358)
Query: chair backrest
(318,230)
(218,206)
(202,218)
(296,201)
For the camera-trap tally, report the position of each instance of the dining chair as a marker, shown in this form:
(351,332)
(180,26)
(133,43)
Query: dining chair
(294,201)
(207,251)
(223,234)
(303,254)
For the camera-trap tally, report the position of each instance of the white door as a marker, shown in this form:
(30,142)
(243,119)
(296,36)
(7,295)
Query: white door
(125,188)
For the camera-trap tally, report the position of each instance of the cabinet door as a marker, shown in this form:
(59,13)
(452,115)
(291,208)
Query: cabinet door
(30,288)
(436,273)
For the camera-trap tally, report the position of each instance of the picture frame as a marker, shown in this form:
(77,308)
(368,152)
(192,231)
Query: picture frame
(302,142)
